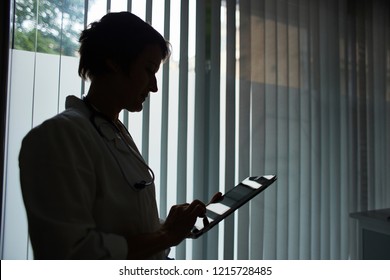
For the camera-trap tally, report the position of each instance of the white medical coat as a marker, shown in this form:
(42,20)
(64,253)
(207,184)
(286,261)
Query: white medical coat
(77,177)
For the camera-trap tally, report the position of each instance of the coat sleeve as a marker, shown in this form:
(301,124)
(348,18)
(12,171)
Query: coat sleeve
(58,183)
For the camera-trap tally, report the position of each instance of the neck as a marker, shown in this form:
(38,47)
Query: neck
(97,97)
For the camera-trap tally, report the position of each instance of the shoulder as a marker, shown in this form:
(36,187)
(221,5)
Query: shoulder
(68,132)
(67,124)
(74,120)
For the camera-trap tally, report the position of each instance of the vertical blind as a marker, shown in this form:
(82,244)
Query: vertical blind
(296,88)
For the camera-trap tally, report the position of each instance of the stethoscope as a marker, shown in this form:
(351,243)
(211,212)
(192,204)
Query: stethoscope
(95,114)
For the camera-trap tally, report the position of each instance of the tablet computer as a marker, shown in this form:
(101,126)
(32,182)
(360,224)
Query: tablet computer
(230,202)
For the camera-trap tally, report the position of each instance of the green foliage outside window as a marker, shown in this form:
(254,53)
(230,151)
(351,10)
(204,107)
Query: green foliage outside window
(48,26)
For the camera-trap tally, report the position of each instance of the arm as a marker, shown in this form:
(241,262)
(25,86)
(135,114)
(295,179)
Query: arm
(176,228)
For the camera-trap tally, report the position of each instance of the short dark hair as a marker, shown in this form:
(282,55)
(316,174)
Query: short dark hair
(120,37)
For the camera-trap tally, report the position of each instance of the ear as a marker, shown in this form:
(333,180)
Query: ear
(112,66)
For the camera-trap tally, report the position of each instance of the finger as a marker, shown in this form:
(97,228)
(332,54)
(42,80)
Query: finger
(183,204)
(216,198)
(175,211)
(196,208)
(206,221)
(179,206)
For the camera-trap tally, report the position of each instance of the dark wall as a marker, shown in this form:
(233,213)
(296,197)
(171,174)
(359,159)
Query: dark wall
(5,8)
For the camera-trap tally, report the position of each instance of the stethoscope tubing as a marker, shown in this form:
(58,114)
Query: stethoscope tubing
(94,114)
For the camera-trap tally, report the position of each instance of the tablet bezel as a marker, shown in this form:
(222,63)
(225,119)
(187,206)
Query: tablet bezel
(253,185)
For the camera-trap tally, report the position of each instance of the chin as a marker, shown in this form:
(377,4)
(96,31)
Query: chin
(135,109)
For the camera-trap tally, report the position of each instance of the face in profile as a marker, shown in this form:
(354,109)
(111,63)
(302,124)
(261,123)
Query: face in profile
(140,80)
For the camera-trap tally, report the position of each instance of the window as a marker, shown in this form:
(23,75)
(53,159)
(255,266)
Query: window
(300,89)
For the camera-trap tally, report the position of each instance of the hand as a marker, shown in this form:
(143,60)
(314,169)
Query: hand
(181,219)
(216,198)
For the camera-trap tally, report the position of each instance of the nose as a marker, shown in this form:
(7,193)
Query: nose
(153,85)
